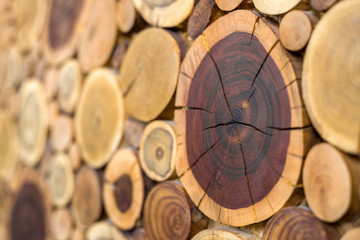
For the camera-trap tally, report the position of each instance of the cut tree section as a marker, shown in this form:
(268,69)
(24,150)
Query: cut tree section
(335,113)
(242,128)
(228,5)
(167,212)
(99,119)
(276,7)
(104,230)
(61,224)
(123,189)
(220,234)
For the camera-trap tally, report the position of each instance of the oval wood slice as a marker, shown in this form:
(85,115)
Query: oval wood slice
(61,224)
(167,212)
(158,149)
(148,81)
(200,17)
(228,5)
(30,20)
(50,82)
(275,7)
(164,13)
(123,189)
(86,205)
(297,223)
(75,155)
(322,5)
(125,15)
(331,78)
(241,125)
(99,119)
(104,230)
(62,133)
(29,218)
(33,121)
(99,35)
(352,234)
(60,180)
(14,69)
(9,145)
(69,85)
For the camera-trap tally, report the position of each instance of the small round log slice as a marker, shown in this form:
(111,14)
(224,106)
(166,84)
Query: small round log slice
(241,125)
(158,149)
(164,13)
(9,146)
(219,234)
(125,15)
(99,119)
(60,180)
(275,7)
(29,218)
(297,223)
(167,212)
(148,81)
(352,234)
(322,5)
(99,35)
(123,189)
(61,224)
(69,85)
(62,133)
(331,79)
(228,5)
(86,204)
(33,121)
(103,230)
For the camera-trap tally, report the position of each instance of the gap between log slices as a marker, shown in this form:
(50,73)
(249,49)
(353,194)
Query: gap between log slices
(241,124)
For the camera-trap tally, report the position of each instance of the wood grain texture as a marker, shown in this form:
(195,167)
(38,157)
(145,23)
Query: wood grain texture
(242,128)
(167,212)
(331,78)
(103,230)
(223,233)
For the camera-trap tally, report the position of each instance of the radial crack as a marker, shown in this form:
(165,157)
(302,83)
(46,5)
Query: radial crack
(191,108)
(186,75)
(287,85)
(290,128)
(251,126)
(207,188)
(253,31)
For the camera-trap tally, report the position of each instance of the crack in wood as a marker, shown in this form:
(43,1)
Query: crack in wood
(237,122)
(216,173)
(253,31)
(289,84)
(290,128)
(192,108)
(186,75)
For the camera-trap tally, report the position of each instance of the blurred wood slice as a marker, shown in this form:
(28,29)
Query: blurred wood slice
(104,230)
(62,133)
(14,69)
(125,15)
(276,7)
(218,234)
(322,5)
(50,82)
(200,17)
(228,5)
(352,234)
(61,224)
(54,113)
(75,156)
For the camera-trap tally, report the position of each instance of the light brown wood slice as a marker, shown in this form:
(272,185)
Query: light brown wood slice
(276,7)
(123,189)
(167,212)
(9,146)
(14,68)
(69,85)
(200,17)
(53,113)
(352,234)
(99,119)
(30,19)
(296,28)
(331,183)
(62,133)
(99,35)
(148,81)
(104,230)
(60,180)
(218,234)
(78,234)
(50,82)
(133,131)
(158,150)
(86,205)
(228,5)
(61,224)
(164,13)
(322,5)
(331,79)
(29,217)
(33,121)
(75,156)
(125,15)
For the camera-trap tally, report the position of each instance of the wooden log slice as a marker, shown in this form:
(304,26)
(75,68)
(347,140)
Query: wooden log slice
(148,81)
(99,35)
(352,234)
(60,180)
(200,17)
(62,133)
(53,113)
(241,125)
(322,5)
(64,26)
(50,82)
(228,5)
(219,234)
(61,224)
(14,68)
(29,218)
(69,84)
(331,183)
(86,205)
(99,119)
(125,15)
(33,121)
(9,145)
(331,78)
(297,223)
(276,7)
(78,234)
(123,189)
(158,150)
(75,156)
(30,20)
(104,230)
(164,13)
(167,212)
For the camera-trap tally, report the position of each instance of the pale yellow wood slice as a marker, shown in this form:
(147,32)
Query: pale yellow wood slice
(14,68)
(99,118)
(123,189)
(99,35)
(33,121)
(331,78)
(125,15)
(228,5)
(275,7)
(69,85)
(62,133)
(158,148)
(164,13)
(61,224)
(104,230)
(148,81)
(60,179)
